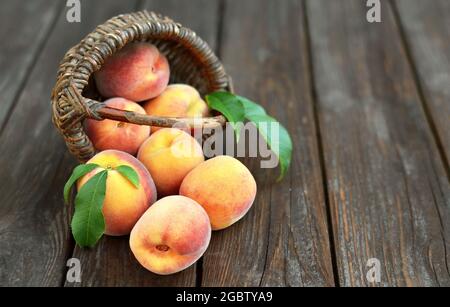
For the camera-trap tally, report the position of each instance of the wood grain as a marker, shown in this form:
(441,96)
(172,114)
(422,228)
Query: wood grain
(283,240)
(111,263)
(201,16)
(388,189)
(427,31)
(34,222)
(21,44)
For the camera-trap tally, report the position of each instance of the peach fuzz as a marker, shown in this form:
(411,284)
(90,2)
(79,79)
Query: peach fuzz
(224,187)
(172,235)
(169,155)
(178,100)
(111,134)
(137,72)
(124,204)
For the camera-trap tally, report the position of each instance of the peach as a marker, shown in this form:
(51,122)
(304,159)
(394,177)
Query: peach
(172,235)
(169,155)
(124,204)
(137,72)
(178,100)
(224,187)
(111,134)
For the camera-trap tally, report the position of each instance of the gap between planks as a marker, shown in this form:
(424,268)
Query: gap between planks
(320,149)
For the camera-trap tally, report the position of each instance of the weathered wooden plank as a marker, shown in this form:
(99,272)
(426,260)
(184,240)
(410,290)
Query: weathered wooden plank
(201,16)
(34,224)
(388,189)
(112,263)
(283,240)
(25,25)
(427,29)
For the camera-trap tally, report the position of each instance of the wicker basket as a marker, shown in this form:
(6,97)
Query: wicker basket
(75,98)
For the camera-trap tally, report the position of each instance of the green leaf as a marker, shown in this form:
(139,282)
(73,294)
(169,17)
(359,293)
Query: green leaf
(251,108)
(77,173)
(88,223)
(129,173)
(281,146)
(230,106)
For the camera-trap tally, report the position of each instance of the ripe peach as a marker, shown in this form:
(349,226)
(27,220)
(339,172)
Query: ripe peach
(172,235)
(136,72)
(224,187)
(124,204)
(178,100)
(169,155)
(111,134)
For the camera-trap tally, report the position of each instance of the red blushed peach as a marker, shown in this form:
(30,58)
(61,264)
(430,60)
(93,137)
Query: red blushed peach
(171,235)
(224,187)
(178,100)
(111,134)
(169,155)
(124,204)
(137,72)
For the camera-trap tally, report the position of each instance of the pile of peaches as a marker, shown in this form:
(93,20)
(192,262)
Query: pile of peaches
(181,197)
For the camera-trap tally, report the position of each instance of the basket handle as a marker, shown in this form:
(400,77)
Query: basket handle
(89,108)
(105,112)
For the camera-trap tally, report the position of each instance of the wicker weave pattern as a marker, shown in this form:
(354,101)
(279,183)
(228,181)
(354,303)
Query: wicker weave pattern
(191,62)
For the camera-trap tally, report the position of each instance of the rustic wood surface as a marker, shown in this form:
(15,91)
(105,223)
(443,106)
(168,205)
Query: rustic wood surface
(426,29)
(388,189)
(367,106)
(21,44)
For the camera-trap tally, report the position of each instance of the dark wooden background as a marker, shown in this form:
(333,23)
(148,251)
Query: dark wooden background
(368,108)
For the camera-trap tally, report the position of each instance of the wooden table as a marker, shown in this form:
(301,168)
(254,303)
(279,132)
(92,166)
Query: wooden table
(368,108)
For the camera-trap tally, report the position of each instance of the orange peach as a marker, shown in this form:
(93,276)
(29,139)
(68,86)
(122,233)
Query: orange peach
(111,134)
(172,235)
(224,187)
(137,72)
(178,100)
(170,154)
(124,203)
